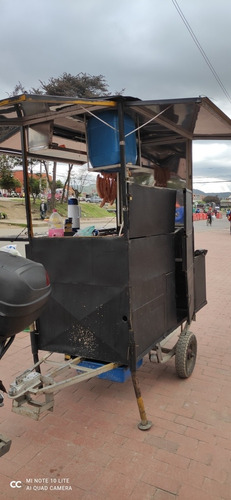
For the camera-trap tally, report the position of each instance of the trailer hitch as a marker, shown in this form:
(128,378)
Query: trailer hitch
(33,393)
(5,444)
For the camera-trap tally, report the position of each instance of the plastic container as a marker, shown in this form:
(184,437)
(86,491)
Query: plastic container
(103,141)
(74,213)
(120,374)
(68,227)
(55,225)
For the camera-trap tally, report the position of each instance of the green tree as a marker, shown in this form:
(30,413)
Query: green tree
(212,199)
(59,184)
(7,179)
(80,86)
(34,187)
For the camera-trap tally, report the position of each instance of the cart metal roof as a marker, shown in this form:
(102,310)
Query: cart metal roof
(56,126)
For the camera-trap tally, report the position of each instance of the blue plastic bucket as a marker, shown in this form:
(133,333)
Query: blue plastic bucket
(103,141)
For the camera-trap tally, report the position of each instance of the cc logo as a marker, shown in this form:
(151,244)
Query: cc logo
(16,484)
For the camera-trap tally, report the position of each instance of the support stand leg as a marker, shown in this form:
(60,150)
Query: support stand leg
(34,347)
(145,424)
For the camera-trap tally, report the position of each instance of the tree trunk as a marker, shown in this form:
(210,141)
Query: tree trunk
(67,182)
(53,186)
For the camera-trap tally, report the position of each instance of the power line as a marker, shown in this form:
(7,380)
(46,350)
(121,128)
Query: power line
(211,182)
(204,55)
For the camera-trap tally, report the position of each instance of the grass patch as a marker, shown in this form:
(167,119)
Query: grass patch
(93,210)
(15,209)
(88,210)
(21,224)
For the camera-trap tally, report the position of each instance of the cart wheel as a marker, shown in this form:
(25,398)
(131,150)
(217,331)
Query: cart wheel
(186,353)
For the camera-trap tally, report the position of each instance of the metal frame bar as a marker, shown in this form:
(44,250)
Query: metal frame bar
(32,383)
(30,380)
(161,354)
(26,184)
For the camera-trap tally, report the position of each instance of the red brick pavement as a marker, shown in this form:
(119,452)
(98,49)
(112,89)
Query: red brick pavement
(91,439)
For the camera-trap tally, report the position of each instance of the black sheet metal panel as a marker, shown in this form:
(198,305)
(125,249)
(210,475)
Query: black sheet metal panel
(88,313)
(152,288)
(151,211)
(189,252)
(184,249)
(101,286)
(151,264)
(200,282)
(181,276)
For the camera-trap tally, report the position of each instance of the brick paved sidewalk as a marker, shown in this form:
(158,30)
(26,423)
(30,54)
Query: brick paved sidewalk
(91,439)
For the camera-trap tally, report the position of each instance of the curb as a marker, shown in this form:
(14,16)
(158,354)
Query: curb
(37,223)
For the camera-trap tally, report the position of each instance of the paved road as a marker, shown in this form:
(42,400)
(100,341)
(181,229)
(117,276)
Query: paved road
(41,228)
(217,225)
(91,439)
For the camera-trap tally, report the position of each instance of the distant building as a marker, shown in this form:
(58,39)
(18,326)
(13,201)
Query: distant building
(198,197)
(226,203)
(18,174)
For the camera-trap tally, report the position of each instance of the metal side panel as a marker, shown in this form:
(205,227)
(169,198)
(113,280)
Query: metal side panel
(189,253)
(200,282)
(88,312)
(190,275)
(152,281)
(151,211)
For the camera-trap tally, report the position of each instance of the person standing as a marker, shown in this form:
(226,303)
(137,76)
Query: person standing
(209,218)
(229,219)
(43,210)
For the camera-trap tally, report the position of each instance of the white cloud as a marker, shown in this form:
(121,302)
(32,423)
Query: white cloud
(209,151)
(212,166)
(142,46)
(211,185)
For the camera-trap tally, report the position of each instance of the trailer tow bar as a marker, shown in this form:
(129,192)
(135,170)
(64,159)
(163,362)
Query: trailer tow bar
(5,444)
(33,393)
(31,384)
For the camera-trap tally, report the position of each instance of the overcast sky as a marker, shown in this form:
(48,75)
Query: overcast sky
(141,46)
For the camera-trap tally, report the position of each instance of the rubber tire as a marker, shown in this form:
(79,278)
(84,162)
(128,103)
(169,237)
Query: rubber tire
(186,353)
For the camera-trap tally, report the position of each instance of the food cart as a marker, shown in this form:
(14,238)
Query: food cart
(120,295)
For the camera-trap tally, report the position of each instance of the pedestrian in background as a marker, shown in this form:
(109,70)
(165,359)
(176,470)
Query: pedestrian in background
(43,210)
(229,219)
(209,218)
